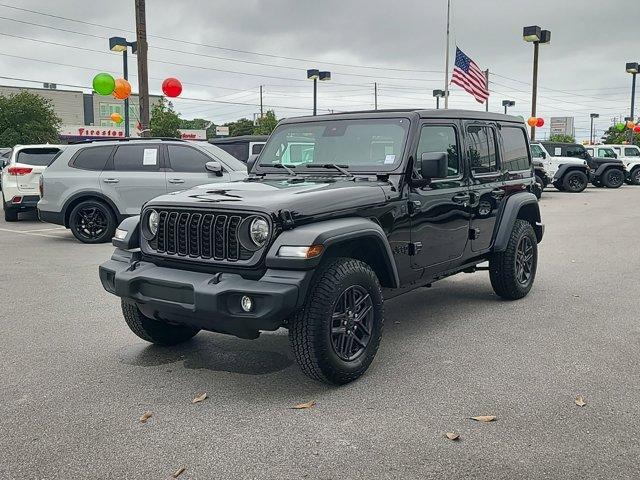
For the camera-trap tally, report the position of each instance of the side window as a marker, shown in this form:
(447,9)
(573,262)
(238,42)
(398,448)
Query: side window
(441,138)
(136,158)
(187,159)
(92,158)
(256,148)
(536,151)
(482,149)
(631,152)
(516,156)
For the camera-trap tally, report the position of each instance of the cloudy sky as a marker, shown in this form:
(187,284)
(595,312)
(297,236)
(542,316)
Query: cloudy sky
(223,51)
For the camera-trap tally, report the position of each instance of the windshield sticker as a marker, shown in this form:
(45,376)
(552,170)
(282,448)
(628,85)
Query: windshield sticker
(150,156)
(389,159)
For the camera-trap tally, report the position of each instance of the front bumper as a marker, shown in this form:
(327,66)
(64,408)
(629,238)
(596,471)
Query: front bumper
(210,301)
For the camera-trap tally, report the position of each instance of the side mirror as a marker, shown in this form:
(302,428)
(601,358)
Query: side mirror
(213,167)
(434,165)
(251,161)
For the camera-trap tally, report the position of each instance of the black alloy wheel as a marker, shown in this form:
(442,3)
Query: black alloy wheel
(92,221)
(524,260)
(613,178)
(351,323)
(634,178)
(575,182)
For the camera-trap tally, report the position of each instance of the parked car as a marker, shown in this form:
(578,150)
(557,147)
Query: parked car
(541,177)
(241,147)
(604,171)
(630,156)
(5,155)
(567,173)
(317,246)
(94,185)
(21,172)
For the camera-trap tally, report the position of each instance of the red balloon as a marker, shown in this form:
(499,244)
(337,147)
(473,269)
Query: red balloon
(540,122)
(172,87)
(636,129)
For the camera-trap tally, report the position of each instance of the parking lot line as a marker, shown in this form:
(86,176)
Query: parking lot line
(30,232)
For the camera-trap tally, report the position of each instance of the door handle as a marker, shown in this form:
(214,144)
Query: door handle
(461,198)
(176,180)
(110,180)
(497,193)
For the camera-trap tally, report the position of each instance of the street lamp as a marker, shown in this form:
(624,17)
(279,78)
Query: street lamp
(632,68)
(120,44)
(438,94)
(315,75)
(593,116)
(537,36)
(508,103)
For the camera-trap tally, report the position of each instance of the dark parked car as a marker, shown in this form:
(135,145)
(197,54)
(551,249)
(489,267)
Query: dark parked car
(375,205)
(242,147)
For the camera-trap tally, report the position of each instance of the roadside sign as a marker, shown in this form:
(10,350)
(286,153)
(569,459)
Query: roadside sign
(222,131)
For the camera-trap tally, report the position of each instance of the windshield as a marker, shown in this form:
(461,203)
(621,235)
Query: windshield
(537,151)
(360,145)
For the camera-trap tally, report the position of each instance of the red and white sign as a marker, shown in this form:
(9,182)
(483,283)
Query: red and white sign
(87,131)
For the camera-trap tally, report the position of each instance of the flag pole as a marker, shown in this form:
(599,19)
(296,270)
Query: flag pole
(486,74)
(446,61)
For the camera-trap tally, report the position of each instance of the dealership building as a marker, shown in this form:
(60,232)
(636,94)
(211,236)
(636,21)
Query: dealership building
(88,115)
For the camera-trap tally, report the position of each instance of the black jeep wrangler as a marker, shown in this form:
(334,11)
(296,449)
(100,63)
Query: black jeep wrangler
(541,177)
(338,213)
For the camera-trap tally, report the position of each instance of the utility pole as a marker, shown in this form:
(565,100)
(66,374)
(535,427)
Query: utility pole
(446,61)
(261,112)
(375,95)
(486,103)
(143,74)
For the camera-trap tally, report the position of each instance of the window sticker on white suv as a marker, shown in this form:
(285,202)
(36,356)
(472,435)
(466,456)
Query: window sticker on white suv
(150,156)
(557,152)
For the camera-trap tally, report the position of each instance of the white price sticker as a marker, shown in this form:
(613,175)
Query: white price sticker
(150,156)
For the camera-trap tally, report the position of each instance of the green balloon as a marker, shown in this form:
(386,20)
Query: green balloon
(620,127)
(103,83)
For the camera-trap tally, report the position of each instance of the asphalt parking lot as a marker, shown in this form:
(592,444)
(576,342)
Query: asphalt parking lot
(75,380)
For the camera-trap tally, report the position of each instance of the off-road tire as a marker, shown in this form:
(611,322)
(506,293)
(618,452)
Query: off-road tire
(502,265)
(613,178)
(155,331)
(10,214)
(575,181)
(309,331)
(106,211)
(558,186)
(634,176)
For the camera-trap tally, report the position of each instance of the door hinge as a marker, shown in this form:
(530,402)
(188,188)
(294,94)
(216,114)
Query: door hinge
(414,248)
(474,233)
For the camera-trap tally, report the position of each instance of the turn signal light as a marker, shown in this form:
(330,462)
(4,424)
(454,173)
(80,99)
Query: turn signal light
(17,171)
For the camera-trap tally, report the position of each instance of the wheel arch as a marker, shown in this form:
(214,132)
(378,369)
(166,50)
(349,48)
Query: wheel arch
(519,206)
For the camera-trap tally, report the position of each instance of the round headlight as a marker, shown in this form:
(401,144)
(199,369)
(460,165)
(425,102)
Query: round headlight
(152,222)
(259,231)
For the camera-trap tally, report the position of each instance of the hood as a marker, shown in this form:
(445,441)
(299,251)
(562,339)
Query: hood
(301,196)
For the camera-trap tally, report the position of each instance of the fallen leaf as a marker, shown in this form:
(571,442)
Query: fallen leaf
(301,406)
(178,472)
(199,398)
(484,418)
(580,401)
(452,436)
(146,416)
(576,295)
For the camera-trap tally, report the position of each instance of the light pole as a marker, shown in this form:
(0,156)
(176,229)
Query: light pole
(508,103)
(537,36)
(120,44)
(632,68)
(593,116)
(315,75)
(438,94)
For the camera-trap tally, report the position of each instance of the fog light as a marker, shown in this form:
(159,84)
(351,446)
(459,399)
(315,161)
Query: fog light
(246,303)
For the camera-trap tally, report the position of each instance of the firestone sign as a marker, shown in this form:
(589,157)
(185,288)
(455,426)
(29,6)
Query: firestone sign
(85,131)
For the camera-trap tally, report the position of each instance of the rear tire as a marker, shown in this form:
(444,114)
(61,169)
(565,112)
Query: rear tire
(575,181)
(337,333)
(613,178)
(513,271)
(10,214)
(154,331)
(92,221)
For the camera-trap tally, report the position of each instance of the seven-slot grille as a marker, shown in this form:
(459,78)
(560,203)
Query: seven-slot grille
(200,235)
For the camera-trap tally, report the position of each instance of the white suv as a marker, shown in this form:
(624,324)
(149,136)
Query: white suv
(630,156)
(20,177)
(568,174)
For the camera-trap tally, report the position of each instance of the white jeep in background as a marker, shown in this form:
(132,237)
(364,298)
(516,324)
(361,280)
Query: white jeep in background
(630,156)
(570,174)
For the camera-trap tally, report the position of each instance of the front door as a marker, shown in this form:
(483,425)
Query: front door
(487,182)
(185,168)
(440,211)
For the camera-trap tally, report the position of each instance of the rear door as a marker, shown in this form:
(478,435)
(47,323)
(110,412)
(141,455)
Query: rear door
(134,175)
(488,187)
(185,168)
(33,161)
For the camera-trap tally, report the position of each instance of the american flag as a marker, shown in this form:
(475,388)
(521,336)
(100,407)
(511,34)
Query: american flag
(467,75)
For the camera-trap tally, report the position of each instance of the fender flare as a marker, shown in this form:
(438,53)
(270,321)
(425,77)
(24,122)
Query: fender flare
(89,193)
(331,233)
(509,214)
(132,239)
(605,166)
(565,167)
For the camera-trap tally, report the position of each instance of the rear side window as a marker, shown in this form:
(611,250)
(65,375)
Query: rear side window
(137,158)
(238,150)
(187,159)
(256,148)
(516,156)
(631,152)
(39,157)
(483,154)
(93,158)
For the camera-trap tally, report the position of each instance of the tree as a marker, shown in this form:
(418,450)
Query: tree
(27,118)
(200,124)
(615,136)
(562,138)
(244,126)
(266,124)
(165,122)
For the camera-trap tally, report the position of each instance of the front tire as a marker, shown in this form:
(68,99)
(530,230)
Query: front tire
(154,331)
(92,221)
(634,177)
(513,271)
(337,333)
(613,178)
(575,181)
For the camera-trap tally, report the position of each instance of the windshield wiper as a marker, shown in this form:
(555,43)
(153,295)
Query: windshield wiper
(341,168)
(279,165)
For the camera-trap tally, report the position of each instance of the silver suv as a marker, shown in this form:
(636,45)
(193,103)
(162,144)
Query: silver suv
(92,186)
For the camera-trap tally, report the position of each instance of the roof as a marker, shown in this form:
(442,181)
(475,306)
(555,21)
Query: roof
(240,138)
(419,113)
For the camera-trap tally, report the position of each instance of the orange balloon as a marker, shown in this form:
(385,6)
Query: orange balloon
(532,120)
(631,124)
(116,117)
(122,89)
